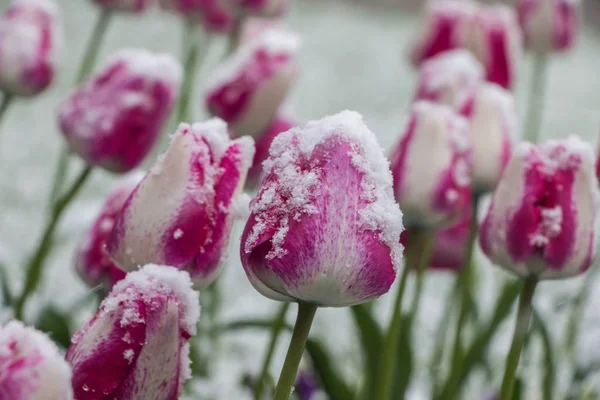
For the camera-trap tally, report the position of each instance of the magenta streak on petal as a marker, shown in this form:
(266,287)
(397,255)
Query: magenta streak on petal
(232,99)
(39,74)
(499,68)
(16,373)
(467,107)
(442,37)
(450,197)
(485,232)
(399,155)
(565,25)
(263,144)
(449,246)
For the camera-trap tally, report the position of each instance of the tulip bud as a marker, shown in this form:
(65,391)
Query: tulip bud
(493,133)
(549,25)
(432,166)
(324,227)
(449,77)
(91,260)
(494,36)
(125,5)
(135,347)
(181,214)
(267,8)
(263,143)
(31,42)
(249,87)
(438,31)
(541,219)
(114,119)
(31,368)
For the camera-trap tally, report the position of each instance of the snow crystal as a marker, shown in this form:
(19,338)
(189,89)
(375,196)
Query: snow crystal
(240,206)
(446,68)
(177,234)
(154,66)
(566,153)
(550,226)
(128,355)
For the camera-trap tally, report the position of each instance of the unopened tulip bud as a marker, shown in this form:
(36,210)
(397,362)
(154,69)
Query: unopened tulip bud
(31,44)
(324,227)
(181,214)
(541,219)
(91,260)
(549,25)
(432,166)
(114,119)
(125,5)
(494,36)
(493,132)
(449,77)
(438,31)
(248,89)
(267,8)
(31,367)
(263,143)
(135,347)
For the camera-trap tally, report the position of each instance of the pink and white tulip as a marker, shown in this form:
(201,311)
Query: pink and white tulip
(541,219)
(181,214)
(431,165)
(248,89)
(549,25)
(31,42)
(493,35)
(135,6)
(324,227)
(438,31)
(91,259)
(266,8)
(31,367)
(263,142)
(493,132)
(449,77)
(114,119)
(136,345)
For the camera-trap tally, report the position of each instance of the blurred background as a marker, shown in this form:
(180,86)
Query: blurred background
(353,57)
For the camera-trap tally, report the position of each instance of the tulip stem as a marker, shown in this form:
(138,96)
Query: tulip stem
(59,175)
(276,329)
(537,93)
(306,314)
(426,242)
(235,36)
(5,104)
(36,262)
(522,326)
(91,52)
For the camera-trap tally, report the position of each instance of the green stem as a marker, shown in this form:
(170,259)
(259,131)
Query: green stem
(440,341)
(191,62)
(453,382)
(306,314)
(59,175)
(537,94)
(7,100)
(426,242)
(36,262)
(235,35)
(275,333)
(91,52)
(522,326)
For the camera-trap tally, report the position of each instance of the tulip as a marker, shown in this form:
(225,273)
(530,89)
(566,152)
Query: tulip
(267,8)
(263,143)
(434,190)
(549,25)
(31,367)
(91,260)
(450,244)
(324,228)
(249,87)
(31,44)
(449,77)
(135,346)
(114,119)
(541,220)
(494,36)
(493,133)
(182,212)
(438,31)
(125,5)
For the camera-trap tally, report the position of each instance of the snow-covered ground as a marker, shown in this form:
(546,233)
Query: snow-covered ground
(352,58)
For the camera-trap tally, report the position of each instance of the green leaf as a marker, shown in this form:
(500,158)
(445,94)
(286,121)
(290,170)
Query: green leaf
(7,297)
(371,341)
(326,370)
(404,361)
(56,324)
(549,365)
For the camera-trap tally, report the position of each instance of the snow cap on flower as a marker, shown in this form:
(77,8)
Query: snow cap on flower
(437,31)
(181,214)
(31,43)
(549,25)
(431,164)
(31,367)
(125,5)
(449,77)
(91,260)
(248,89)
(541,219)
(135,346)
(493,35)
(324,227)
(114,119)
(493,132)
